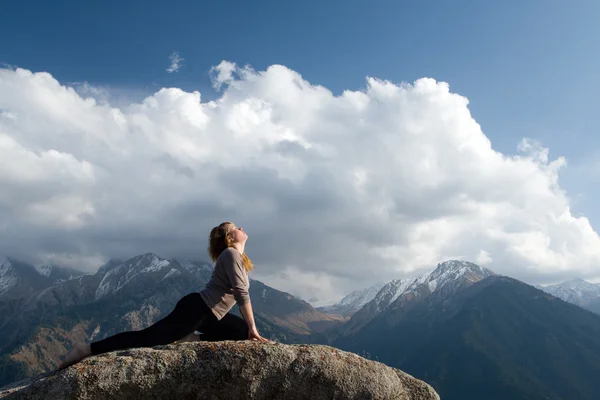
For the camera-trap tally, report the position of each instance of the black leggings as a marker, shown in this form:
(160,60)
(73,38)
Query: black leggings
(190,314)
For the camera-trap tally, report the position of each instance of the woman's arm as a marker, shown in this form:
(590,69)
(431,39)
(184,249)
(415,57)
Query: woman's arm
(246,310)
(238,278)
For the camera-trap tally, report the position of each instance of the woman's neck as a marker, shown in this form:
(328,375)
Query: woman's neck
(239,247)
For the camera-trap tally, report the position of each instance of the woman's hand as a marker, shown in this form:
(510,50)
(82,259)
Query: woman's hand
(254,335)
(246,310)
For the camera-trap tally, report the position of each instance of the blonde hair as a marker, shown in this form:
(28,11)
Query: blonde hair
(220,240)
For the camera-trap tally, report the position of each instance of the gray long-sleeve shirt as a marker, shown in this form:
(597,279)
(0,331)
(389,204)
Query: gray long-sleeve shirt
(228,283)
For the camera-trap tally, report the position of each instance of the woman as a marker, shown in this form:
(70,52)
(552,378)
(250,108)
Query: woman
(206,311)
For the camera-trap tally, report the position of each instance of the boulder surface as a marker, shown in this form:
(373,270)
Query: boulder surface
(224,370)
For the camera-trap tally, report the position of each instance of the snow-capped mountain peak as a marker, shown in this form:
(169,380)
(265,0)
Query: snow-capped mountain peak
(56,273)
(5,265)
(447,274)
(44,270)
(110,264)
(452,270)
(359,298)
(117,276)
(576,291)
(446,279)
(149,262)
(200,269)
(8,275)
(192,266)
(391,291)
(353,301)
(17,279)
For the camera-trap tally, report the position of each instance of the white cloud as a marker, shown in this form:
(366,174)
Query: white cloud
(317,287)
(342,190)
(176,61)
(483,258)
(222,74)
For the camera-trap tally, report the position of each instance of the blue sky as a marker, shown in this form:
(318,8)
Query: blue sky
(528,68)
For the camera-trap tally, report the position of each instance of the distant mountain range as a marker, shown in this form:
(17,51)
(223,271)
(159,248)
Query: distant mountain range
(44,310)
(473,334)
(469,332)
(19,279)
(448,278)
(576,291)
(496,339)
(353,302)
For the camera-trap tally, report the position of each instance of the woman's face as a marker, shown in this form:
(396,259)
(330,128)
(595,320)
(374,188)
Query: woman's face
(237,234)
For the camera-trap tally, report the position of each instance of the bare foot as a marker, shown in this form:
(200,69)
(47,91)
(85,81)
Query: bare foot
(192,337)
(77,353)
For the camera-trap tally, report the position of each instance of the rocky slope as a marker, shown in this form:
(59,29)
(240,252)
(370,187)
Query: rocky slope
(225,370)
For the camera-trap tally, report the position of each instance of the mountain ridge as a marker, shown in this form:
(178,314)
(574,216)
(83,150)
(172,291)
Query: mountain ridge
(576,291)
(18,279)
(460,326)
(353,301)
(35,331)
(447,277)
(497,338)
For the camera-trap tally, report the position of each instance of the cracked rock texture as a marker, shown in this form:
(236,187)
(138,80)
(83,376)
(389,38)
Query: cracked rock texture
(224,370)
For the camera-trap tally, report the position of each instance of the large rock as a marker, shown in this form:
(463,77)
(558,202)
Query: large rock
(225,370)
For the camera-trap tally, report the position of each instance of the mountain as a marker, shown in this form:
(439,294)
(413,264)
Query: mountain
(202,270)
(594,306)
(576,291)
(447,278)
(497,338)
(136,273)
(470,333)
(19,279)
(353,301)
(288,311)
(56,273)
(37,329)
